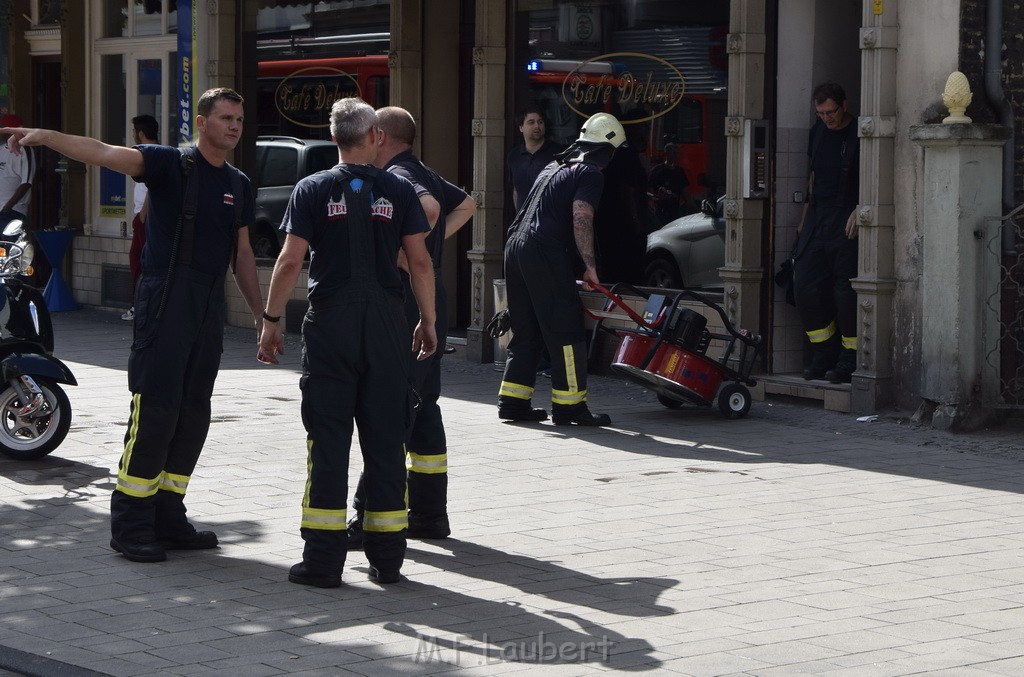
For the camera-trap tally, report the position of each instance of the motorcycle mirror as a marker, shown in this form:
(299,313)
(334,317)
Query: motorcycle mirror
(14,227)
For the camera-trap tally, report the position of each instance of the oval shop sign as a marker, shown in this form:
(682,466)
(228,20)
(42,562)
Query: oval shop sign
(658,87)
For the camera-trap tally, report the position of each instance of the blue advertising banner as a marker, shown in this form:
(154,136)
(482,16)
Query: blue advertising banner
(112,194)
(186,72)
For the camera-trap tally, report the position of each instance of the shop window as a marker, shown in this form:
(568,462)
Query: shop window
(121,19)
(47,12)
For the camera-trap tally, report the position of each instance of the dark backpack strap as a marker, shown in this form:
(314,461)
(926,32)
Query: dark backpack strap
(184,231)
(529,208)
(189,206)
(237,195)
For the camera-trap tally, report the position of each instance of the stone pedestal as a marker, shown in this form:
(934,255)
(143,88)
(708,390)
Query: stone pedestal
(962,191)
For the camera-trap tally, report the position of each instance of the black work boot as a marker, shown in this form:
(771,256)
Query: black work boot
(173,530)
(131,528)
(577,414)
(823,358)
(513,409)
(842,372)
(429,528)
(323,558)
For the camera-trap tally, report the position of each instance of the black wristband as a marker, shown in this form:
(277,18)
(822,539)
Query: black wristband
(271,318)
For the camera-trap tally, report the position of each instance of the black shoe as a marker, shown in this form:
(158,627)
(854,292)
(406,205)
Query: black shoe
(198,540)
(526,413)
(432,528)
(302,574)
(449,349)
(814,373)
(578,414)
(139,551)
(841,373)
(384,577)
(354,533)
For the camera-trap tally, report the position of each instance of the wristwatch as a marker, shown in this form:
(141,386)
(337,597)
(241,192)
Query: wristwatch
(271,318)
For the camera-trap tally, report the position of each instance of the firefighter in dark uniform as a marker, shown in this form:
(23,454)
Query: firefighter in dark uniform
(552,230)
(355,343)
(179,318)
(448,208)
(826,250)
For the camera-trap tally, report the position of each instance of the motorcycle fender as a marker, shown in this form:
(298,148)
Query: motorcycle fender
(34,364)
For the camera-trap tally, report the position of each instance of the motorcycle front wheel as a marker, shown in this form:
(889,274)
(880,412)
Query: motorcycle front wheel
(27,438)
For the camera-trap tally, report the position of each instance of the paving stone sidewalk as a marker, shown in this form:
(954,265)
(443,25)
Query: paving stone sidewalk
(794,541)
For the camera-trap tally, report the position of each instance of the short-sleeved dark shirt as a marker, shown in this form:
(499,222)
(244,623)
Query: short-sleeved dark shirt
(317,206)
(523,167)
(826,149)
(215,231)
(577,181)
(428,182)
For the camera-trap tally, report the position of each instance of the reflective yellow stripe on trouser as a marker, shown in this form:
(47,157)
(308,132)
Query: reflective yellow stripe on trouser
(319,518)
(850,342)
(516,390)
(573,395)
(434,464)
(385,522)
(139,487)
(822,335)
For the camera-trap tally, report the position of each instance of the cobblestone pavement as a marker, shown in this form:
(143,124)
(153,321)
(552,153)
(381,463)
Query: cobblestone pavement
(794,541)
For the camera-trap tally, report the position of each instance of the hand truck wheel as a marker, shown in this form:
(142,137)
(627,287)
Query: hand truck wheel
(734,400)
(670,402)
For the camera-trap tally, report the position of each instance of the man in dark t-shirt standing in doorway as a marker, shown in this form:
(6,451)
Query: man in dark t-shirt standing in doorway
(526,161)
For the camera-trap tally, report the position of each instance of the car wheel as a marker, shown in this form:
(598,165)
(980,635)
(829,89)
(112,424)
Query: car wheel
(662,272)
(263,242)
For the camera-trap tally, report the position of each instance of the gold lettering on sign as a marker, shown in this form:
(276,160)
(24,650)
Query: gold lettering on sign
(659,88)
(313,91)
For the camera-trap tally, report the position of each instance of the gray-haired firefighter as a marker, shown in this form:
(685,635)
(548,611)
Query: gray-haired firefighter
(553,230)
(355,343)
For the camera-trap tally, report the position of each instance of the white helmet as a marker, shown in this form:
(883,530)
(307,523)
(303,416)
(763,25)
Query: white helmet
(603,128)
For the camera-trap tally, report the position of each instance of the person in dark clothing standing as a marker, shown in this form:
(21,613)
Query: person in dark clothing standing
(179,316)
(448,208)
(353,219)
(826,251)
(526,161)
(555,225)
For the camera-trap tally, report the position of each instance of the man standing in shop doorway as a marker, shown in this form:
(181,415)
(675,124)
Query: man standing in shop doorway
(527,160)
(826,250)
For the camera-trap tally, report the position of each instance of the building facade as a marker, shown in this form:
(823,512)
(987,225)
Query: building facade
(724,86)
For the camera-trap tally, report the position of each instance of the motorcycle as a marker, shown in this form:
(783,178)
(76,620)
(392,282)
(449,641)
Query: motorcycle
(35,414)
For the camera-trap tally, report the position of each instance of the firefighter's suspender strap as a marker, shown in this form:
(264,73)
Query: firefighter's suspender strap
(189,206)
(525,215)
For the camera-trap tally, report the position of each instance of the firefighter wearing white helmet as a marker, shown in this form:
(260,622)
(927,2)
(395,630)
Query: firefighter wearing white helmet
(550,246)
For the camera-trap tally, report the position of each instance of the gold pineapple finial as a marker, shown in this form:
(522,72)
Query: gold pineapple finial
(957,97)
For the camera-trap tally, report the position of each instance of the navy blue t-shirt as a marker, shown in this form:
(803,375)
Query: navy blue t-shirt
(215,231)
(428,182)
(317,207)
(577,181)
(826,149)
(524,166)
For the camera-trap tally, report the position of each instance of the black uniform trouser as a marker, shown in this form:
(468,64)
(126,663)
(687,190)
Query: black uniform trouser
(426,443)
(545,310)
(355,361)
(171,374)
(826,263)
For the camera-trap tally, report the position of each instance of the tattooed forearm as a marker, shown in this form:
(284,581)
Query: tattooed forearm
(583,229)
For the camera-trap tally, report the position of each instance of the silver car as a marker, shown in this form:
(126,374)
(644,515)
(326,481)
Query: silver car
(687,252)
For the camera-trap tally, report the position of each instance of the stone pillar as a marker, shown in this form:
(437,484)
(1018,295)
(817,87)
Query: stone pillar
(875,284)
(405,60)
(74,61)
(742,275)
(962,190)
(489,67)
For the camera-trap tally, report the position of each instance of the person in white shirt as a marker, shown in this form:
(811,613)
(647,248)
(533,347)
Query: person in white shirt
(16,173)
(145,129)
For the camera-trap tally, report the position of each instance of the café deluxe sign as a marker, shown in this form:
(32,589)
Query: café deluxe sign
(659,87)
(310,92)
